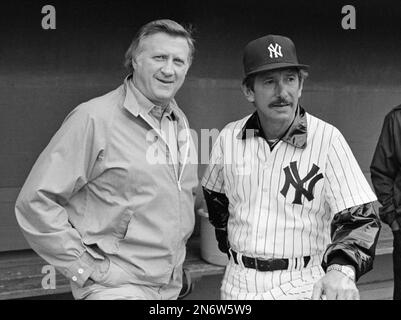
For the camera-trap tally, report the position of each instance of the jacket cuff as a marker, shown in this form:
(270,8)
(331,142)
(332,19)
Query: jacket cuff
(345,254)
(340,259)
(81,269)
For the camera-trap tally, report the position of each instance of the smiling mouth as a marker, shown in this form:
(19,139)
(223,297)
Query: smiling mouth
(165,81)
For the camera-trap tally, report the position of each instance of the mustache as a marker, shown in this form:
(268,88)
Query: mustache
(280,101)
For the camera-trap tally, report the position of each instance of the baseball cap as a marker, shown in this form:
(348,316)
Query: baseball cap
(268,53)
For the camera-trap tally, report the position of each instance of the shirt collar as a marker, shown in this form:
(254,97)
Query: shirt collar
(295,135)
(137,103)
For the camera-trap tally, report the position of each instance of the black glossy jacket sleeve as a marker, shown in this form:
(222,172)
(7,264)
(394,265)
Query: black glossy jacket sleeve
(354,234)
(217,206)
(385,167)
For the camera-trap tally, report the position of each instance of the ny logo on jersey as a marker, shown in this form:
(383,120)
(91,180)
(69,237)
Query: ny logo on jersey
(292,178)
(276,50)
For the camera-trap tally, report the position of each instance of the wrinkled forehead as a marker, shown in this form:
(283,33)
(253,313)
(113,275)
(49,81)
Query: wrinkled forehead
(278,72)
(163,42)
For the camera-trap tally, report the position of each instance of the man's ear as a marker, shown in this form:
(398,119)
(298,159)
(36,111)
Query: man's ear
(248,93)
(301,86)
(133,63)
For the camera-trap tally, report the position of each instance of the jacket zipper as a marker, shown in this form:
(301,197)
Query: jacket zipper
(186,153)
(174,167)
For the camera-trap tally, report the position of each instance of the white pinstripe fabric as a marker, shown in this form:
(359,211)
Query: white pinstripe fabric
(241,283)
(264,223)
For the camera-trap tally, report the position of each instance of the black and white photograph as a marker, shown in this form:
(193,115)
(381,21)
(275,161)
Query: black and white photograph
(211,153)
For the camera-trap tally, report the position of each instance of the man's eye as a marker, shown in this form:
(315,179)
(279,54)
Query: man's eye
(291,79)
(159,58)
(179,62)
(268,81)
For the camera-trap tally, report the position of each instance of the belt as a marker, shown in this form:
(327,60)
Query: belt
(267,264)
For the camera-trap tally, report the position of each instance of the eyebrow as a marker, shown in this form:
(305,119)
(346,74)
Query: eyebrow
(266,76)
(163,53)
(291,73)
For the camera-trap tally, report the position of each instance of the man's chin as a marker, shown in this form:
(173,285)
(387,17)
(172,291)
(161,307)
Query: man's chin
(164,99)
(165,95)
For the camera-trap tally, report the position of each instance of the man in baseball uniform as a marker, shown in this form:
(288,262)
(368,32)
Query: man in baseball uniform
(288,201)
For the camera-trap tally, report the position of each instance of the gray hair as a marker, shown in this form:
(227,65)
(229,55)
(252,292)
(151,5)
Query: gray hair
(166,26)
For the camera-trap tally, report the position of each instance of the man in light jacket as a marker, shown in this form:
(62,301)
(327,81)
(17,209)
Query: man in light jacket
(110,201)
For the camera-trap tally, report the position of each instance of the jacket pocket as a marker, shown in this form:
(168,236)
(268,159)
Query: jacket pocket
(109,243)
(123,224)
(110,274)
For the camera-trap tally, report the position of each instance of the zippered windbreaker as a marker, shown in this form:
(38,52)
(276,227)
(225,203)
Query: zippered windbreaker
(101,188)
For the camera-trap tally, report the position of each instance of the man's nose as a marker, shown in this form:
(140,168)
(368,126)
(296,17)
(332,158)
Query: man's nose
(168,68)
(280,89)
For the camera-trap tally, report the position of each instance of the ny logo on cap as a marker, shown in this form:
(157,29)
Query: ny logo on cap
(276,50)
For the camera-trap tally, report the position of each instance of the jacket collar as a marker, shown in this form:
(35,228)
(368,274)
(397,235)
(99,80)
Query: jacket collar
(136,103)
(295,135)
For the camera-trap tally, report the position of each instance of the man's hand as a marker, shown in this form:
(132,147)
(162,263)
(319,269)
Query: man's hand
(335,285)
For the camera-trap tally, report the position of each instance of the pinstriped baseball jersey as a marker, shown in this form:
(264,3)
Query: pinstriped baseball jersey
(282,201)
